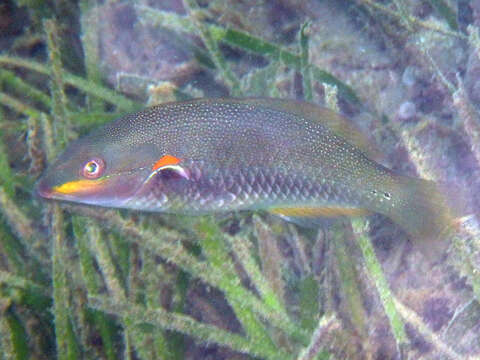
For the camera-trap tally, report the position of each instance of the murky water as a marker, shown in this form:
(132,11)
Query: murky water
(102,283)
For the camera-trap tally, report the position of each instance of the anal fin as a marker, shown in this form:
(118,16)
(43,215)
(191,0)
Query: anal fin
(313,217)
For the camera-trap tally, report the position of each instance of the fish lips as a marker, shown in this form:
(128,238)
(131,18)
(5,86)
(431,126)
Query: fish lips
(43,189)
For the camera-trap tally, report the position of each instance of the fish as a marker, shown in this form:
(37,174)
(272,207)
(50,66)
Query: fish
(295,159)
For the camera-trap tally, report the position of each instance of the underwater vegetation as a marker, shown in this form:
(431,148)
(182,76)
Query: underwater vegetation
(79,282)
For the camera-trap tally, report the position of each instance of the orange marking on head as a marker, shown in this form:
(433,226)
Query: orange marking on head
(165,161)
(78,186)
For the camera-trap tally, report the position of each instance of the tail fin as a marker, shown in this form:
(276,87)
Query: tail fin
(422,210)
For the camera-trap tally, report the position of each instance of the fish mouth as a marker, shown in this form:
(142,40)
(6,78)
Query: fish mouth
(43,190)
(112,191)
(65,191)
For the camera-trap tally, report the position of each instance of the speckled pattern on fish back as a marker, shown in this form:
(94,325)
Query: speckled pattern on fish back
(250,153)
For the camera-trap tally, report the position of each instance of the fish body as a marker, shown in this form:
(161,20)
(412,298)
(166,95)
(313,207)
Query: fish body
(210,155)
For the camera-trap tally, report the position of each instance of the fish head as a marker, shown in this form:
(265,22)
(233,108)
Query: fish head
(97,170)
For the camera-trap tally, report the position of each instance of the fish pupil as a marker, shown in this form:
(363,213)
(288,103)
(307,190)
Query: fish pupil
(92,167)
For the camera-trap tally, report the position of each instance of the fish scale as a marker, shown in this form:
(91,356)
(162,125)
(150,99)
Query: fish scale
(242,191)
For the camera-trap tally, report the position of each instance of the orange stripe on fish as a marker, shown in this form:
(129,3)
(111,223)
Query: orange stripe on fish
(330,211)
(78,186)
(166,160)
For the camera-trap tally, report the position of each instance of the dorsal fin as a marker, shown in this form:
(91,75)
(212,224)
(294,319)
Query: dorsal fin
(336,123)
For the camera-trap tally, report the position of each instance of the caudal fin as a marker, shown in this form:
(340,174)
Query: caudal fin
(422,210)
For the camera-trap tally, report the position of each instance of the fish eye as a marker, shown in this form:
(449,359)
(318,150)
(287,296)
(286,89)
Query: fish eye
(93,168)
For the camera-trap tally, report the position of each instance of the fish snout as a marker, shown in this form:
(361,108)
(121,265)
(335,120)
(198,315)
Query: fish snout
(43,189)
